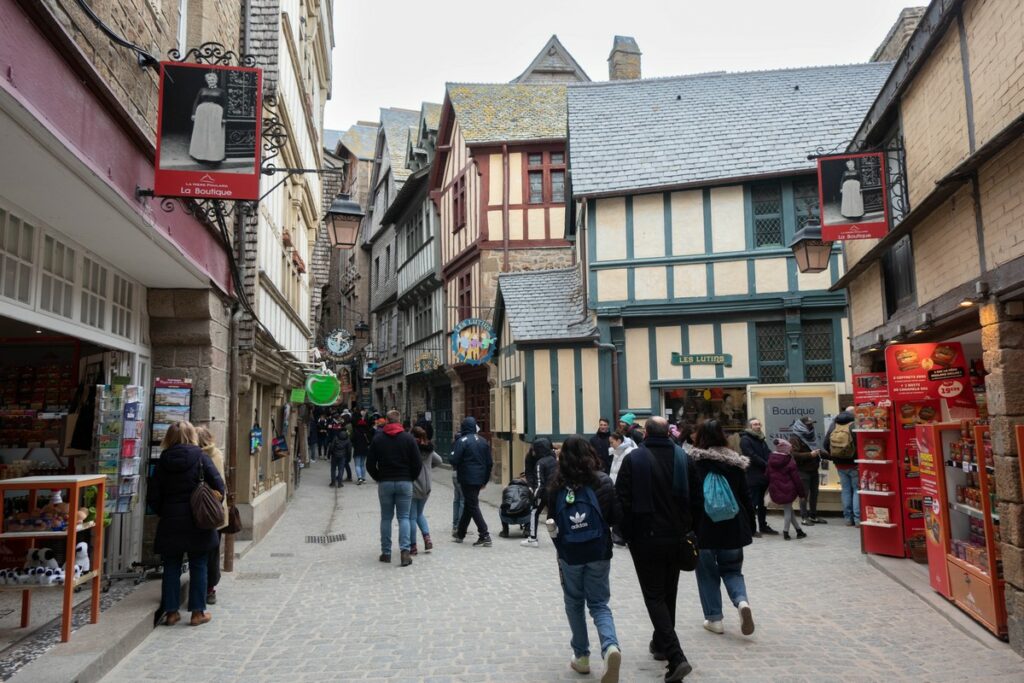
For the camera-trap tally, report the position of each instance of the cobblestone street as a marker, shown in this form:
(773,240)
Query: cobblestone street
(299,611)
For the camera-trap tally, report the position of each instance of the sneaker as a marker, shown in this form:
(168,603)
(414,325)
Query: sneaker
(658,656)
(612,662)
(359,482)
(714,626)
(746,618)
(800,533)
(331,485)
(503,533)
(457,539)
(529,543)
(818,520)
(768,530)
(807,521)
(211,598)
(199,618)
(785,535)
(484,541)
(757,534)
(580,665)
(678,672)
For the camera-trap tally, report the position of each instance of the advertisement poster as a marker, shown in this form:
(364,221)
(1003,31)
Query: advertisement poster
(853,197)
(208,132)
(929,454)
(779,414)
(172,402)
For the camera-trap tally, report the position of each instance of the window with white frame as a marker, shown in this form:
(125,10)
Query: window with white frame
(58,277)
(93,311)
(121,305)
(17,249)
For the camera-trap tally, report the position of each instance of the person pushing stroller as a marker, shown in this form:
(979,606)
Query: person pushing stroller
(540,467)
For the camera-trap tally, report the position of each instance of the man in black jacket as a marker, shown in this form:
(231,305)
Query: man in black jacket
(341,452)
(472,460)
(540,467)
(654,521)
(599,442)
(394,463)
(754,445)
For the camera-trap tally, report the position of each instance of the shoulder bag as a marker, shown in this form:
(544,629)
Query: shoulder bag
(207,512)
(688,549)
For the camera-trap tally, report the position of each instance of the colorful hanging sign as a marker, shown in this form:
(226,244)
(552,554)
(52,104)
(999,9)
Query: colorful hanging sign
(853,196)
(298,396)
(323,389)
(339,343)
(724,359)
(473,342)
(209,120)
(426,362)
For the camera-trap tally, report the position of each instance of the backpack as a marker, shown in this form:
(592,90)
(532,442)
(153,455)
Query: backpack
(515,500)
(840,442)
(719,503)
(581,526)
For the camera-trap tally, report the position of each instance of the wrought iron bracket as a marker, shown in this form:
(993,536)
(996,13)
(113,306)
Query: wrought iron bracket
(212,53)
(858,147)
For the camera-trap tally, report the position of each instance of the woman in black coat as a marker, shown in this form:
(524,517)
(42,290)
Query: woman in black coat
(721,543)
(178,471)
(755,447)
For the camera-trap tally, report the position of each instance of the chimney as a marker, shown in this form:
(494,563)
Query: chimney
(624,61)
(899,35)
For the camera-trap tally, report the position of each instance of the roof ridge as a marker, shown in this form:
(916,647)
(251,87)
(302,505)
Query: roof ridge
(449,84)
(723,73)
(540,270)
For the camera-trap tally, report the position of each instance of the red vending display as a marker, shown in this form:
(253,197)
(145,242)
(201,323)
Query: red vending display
(936,516)
(879,488)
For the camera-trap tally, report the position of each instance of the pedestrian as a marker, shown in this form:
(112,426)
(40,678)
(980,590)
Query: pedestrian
(458,502)
(628,427)
(658,513)
(362,436)
(205,441)
(421,490)
(620,448)
(583,504)
(724,528)
(322,437)
(346,425)
(785,484)
(311,440)
(341,452)
(599,442)
(840,446)
(754,445)
(394,463)
(181,465)
(808,461)
(426,425)
(540,468)
(472,459)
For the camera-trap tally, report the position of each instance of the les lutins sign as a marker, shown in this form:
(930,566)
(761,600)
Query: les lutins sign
(724,359)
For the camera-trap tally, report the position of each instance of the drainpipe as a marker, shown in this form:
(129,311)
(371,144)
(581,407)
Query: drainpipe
(232,436)
(504,200)
(615,374)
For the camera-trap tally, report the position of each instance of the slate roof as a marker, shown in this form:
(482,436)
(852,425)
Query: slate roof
(361,140)
(396,124)
(504,112)
(545,305)
(662,132)
(331,138)
(432,115)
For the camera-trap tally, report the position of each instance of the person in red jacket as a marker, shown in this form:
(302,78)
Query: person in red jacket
(785,484)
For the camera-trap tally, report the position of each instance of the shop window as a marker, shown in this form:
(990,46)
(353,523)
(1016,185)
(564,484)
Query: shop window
(771,353)
(123,303)
(805,196)
(17,245)
(766,199)
(58,277)
(696,404)
(93,311)
(818,359)
(898,276)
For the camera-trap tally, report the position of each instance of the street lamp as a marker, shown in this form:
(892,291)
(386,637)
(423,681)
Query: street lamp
(812,253)
(342,219)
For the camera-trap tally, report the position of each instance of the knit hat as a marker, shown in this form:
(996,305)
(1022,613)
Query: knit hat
(628,418)
(782,446)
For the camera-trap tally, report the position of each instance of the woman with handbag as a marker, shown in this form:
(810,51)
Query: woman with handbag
(183,494)
(213,561)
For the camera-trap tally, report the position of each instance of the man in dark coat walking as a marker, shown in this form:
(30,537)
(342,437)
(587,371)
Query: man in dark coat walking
(655,519)
(755,447)
(472,460)
(394,463)
(599,442)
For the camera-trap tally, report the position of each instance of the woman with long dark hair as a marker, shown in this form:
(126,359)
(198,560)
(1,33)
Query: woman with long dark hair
(583,504)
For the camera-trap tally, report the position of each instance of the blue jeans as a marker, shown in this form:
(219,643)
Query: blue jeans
(457,502)
(851,501)
(170,594)
(587,584)
(417,518)
(715,567)
(360,467)
(395,498)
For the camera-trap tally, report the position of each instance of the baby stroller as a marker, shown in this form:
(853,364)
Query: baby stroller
(516,499)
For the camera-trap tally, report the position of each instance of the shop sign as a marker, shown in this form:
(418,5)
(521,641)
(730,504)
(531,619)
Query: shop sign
(208,131)
(345,377)
(323,389)
(724,359)
(387,370)
(427,362)
(929,383)
(780,413)
(298,396)
(473,342)
(853,196)
(339,343)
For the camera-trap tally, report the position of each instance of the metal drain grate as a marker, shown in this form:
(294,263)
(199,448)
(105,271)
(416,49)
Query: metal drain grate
(331,538)
(258,576)
(282,554)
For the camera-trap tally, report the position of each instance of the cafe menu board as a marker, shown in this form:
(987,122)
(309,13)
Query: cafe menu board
(172,402)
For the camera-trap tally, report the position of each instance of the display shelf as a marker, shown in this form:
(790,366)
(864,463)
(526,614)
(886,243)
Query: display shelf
(872,461)
(870,431)
(967,510)
(865,492)
(967,566)
(882,525)
(972,467)
(45,534)
(53,586)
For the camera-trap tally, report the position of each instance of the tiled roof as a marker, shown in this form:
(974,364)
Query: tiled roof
(396,124)
(545,304)
(432,115)
(632,135)
(360,140)
(507,112)
(331,138)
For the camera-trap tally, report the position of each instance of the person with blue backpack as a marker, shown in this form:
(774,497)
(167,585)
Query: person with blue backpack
(583,507)
(724,528)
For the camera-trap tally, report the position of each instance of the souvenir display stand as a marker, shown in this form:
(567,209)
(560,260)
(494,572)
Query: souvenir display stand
(73,487)
(879,480)
(962,526)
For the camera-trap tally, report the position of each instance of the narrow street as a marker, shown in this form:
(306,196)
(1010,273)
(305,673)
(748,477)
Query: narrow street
(295,611)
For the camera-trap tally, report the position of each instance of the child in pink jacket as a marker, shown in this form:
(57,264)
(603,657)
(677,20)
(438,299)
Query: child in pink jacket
(784,485)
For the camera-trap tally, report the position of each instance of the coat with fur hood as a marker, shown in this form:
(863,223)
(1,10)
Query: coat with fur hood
(731,533)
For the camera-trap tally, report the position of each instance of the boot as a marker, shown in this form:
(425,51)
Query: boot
(172,618)
(199,618)
(414,550)
(406,558)
(428,545)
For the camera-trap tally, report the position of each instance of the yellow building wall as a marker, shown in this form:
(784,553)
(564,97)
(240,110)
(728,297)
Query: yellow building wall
(687,222)
(995,33)
(612,285)
(812,281)
(702,341)
(638,375)
(669,339)
(648,226)
(1000,184)
(690,280)
(567,384)
(728,220)
(542,391)
(736,340)
(515,180)
(650,284)
(610,229)
(515,225)
(866,300)
(495,187)
(945,247)
(591,389)
(771,275)
(730,278)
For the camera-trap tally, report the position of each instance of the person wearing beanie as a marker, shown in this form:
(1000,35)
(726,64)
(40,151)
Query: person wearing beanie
(785,484)
(807,453)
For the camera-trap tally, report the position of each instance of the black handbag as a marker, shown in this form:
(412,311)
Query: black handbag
(688,552)
(234,521)
(207,512)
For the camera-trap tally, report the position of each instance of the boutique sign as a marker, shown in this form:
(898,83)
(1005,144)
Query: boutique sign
(724,359)
(473,342)
(853,197)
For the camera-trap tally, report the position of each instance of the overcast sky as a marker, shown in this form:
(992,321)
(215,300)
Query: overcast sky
(399,53)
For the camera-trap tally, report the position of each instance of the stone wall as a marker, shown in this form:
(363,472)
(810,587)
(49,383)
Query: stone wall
(898,35)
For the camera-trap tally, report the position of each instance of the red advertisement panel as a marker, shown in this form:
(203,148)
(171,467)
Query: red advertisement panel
(853,196)
(930,455)
(208,131)
(878,477)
